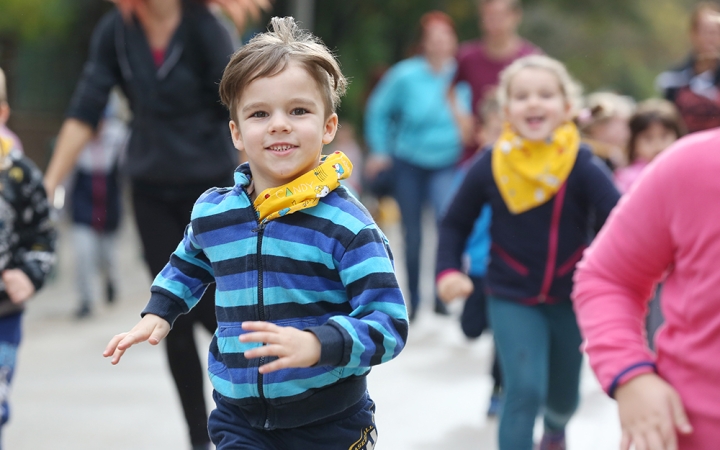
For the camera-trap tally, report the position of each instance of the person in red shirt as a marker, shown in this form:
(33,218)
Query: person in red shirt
(481,61)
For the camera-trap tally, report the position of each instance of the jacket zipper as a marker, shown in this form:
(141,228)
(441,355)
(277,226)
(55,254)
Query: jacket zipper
(552,244)
(261,316)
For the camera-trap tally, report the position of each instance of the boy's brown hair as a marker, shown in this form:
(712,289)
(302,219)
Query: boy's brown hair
(269,53)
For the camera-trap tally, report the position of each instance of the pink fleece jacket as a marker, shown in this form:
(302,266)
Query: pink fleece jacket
(668,224)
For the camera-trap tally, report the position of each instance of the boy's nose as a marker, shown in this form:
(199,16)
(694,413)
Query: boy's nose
(279,123)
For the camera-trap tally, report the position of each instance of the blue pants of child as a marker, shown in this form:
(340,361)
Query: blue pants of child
(10,333)
(539,350)
(353,430)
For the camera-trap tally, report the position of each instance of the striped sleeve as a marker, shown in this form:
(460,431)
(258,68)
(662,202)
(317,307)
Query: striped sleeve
(376,329)
(182,282)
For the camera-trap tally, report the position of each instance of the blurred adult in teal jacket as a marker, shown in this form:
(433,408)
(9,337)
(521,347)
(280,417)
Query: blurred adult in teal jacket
(411,130)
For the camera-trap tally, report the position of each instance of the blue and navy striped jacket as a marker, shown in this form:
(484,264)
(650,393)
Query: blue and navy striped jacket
(327,269)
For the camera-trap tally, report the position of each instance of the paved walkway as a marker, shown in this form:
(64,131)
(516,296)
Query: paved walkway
(66,396)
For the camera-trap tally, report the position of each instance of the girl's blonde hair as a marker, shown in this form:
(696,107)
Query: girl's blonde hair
(571,89)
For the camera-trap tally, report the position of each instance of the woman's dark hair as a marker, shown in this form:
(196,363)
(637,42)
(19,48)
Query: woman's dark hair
(648,112)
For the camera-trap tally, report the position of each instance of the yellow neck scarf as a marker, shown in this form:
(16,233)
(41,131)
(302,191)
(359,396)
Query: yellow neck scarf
(529,173)
(304,191)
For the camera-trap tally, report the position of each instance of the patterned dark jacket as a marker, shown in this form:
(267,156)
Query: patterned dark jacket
(27,238)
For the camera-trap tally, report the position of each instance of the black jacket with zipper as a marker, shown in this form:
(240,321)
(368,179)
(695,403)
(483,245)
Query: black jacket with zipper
(179,129)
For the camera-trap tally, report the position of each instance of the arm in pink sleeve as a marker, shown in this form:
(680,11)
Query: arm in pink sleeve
(616,277)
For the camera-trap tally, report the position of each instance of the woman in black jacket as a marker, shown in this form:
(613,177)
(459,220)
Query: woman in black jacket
(167,56)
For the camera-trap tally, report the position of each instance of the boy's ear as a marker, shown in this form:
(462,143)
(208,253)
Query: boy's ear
(331,126)
(236,136)
(4,112)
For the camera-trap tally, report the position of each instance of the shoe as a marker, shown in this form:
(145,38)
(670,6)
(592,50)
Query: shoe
(83,312)
(110,292)
(496,402)
(553,440)
(205,446)
(441,309)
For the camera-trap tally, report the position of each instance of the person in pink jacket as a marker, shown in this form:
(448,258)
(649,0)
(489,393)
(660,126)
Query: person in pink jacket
(667,227)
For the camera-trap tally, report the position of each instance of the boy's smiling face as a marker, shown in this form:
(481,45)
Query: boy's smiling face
(282,126)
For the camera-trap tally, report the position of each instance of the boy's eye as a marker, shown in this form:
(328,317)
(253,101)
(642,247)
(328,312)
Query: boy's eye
(259,114)
(299,111)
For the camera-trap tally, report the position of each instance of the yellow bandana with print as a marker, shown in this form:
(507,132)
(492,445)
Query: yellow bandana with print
(529,173)
(304,191)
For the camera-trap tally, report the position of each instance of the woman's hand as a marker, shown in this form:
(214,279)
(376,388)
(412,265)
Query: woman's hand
(239,10)
(651,414)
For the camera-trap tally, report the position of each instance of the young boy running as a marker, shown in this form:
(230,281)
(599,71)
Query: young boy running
(307,299)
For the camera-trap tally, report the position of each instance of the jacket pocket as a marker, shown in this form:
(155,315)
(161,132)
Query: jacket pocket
(513,263)
(569,264)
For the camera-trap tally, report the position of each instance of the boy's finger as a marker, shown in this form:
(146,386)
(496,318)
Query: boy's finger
(265,350)
(260,336)
(131,339)
(158,334)
(112,345)
(259,326)
(278,364)
(116,356)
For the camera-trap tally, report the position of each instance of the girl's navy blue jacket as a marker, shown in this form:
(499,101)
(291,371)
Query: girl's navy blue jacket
(534,253)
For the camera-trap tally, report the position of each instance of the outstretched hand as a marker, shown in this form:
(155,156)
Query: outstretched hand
(151,328)
(293,347)
(651,414)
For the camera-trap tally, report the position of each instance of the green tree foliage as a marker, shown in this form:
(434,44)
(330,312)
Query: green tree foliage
(34,19)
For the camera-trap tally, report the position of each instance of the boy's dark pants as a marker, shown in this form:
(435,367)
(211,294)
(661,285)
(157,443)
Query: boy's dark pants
(162,212)
(353,429)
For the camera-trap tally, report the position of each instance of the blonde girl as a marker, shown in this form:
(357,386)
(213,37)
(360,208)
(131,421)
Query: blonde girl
(547,193)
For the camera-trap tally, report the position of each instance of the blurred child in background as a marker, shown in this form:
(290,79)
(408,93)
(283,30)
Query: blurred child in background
(546,191)
(27,244)
(604,127)
(655,125)
(96,207)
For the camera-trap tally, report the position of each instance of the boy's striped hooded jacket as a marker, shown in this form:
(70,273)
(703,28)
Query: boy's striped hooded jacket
(327,269)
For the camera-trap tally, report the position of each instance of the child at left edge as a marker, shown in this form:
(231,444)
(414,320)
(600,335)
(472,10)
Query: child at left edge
(307,298)
(27,245)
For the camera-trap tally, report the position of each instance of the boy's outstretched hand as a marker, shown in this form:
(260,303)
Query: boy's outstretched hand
(293,347)
(151,328)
